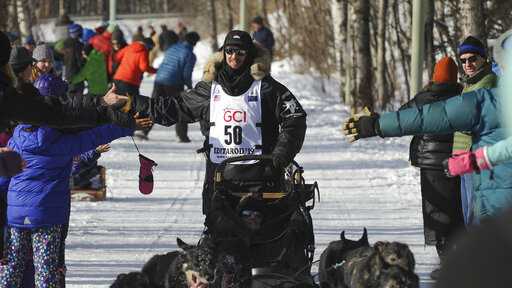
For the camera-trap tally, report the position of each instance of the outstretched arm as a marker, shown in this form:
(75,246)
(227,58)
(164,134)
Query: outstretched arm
(192,106)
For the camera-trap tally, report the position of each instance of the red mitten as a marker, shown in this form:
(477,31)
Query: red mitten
(146,174)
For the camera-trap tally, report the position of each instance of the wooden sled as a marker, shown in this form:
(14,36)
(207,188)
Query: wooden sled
(80,194)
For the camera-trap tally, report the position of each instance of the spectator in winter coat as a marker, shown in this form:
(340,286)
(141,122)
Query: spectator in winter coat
(29,43)
(478,111)
(175,73)
(240,68)
(21,104)
(489,156)
(43,57)
(38,199)
(181,30)
(442,210)
(262,35)
(133,62)
(94,72)
(477,74)
(166,39)
(72,56)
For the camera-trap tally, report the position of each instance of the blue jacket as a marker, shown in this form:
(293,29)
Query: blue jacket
(84,161)
(477,111)
(176,69)
(40,196)
(265,37)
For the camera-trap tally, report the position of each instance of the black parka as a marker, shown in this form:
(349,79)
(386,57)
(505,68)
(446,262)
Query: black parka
(283,119)
(429,151)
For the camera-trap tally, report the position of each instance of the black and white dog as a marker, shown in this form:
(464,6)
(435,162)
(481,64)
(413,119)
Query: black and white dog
(177,269)
(334,256)
(355,264)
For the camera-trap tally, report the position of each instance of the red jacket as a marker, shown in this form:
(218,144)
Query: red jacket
(102,43)
(134,60)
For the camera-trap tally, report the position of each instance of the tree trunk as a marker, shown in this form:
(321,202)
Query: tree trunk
(337,21)
(229,8)
(474,19)
(263,9)
(382,88)
(364,58)
(349,59)
(12,17)
(213,23)
(429,38)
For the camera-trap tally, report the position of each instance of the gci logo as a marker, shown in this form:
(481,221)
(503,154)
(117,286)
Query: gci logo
(235,116)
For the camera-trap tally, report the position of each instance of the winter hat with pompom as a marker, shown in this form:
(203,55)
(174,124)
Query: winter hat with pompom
(445,71)
(42,52)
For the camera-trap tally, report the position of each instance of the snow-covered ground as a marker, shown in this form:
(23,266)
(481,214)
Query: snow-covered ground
(366,184)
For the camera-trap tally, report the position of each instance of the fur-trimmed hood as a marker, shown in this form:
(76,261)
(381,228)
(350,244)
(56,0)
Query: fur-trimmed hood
(259,69)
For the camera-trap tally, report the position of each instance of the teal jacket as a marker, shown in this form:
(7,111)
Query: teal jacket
(478,112)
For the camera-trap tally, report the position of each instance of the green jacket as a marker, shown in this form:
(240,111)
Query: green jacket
(462,141)
(95,73)
(478,112)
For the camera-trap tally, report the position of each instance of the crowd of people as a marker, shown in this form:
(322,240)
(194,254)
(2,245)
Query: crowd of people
(63,102)
(460,141)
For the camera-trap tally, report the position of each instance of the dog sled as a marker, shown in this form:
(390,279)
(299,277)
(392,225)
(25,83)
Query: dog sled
(262,218)
(92,194)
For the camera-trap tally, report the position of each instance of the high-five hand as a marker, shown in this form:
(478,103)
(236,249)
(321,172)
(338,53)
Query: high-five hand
(361,125)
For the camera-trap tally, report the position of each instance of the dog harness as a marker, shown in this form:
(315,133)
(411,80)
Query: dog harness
(235,123)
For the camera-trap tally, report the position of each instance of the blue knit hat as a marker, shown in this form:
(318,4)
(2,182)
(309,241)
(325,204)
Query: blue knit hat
(75,30)
(472,45)
(51,85)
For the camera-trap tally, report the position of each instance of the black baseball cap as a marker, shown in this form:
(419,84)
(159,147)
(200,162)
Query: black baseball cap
(239,39)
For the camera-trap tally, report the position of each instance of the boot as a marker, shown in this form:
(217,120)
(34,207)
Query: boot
(441,248)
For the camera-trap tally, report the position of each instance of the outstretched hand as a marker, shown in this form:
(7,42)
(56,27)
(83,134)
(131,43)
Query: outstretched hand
(142,123)
(103,148)
(361,125)
(113,99)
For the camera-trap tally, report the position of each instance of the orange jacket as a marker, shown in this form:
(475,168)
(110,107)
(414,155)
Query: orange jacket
(134,61)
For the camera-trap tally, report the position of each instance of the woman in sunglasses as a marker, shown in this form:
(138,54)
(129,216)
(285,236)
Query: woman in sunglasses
(477,74)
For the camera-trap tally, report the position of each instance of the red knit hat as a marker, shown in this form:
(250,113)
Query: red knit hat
(445,71)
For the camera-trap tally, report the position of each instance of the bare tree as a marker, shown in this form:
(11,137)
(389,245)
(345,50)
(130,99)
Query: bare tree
(429,38)
(364,76)
(382,90)
(229,9)
(213,22)
(474,18)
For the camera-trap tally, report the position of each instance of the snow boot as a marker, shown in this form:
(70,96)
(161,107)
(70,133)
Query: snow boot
(146,174)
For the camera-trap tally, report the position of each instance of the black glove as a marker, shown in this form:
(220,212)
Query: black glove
(279,162)
(362,126)
(10,163)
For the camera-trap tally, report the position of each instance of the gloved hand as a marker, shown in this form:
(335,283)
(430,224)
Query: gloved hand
(279,162)
(362,125)
(468,162)
(11,163)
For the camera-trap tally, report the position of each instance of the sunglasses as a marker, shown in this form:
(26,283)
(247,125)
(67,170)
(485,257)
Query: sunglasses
(251,213)
(234,50)
(471,59)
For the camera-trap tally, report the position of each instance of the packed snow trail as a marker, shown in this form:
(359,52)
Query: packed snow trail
(366,184)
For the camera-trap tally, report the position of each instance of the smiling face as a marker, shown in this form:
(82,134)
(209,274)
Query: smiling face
(44,65)
(471,63)
(235,57)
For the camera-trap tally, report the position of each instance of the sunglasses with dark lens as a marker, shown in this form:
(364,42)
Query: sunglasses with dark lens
(471,59)
(250,213)
(237,51)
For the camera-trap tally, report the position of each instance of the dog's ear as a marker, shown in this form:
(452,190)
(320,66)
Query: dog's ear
(380,245)
(184,246)
(342,235)
(364,238)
